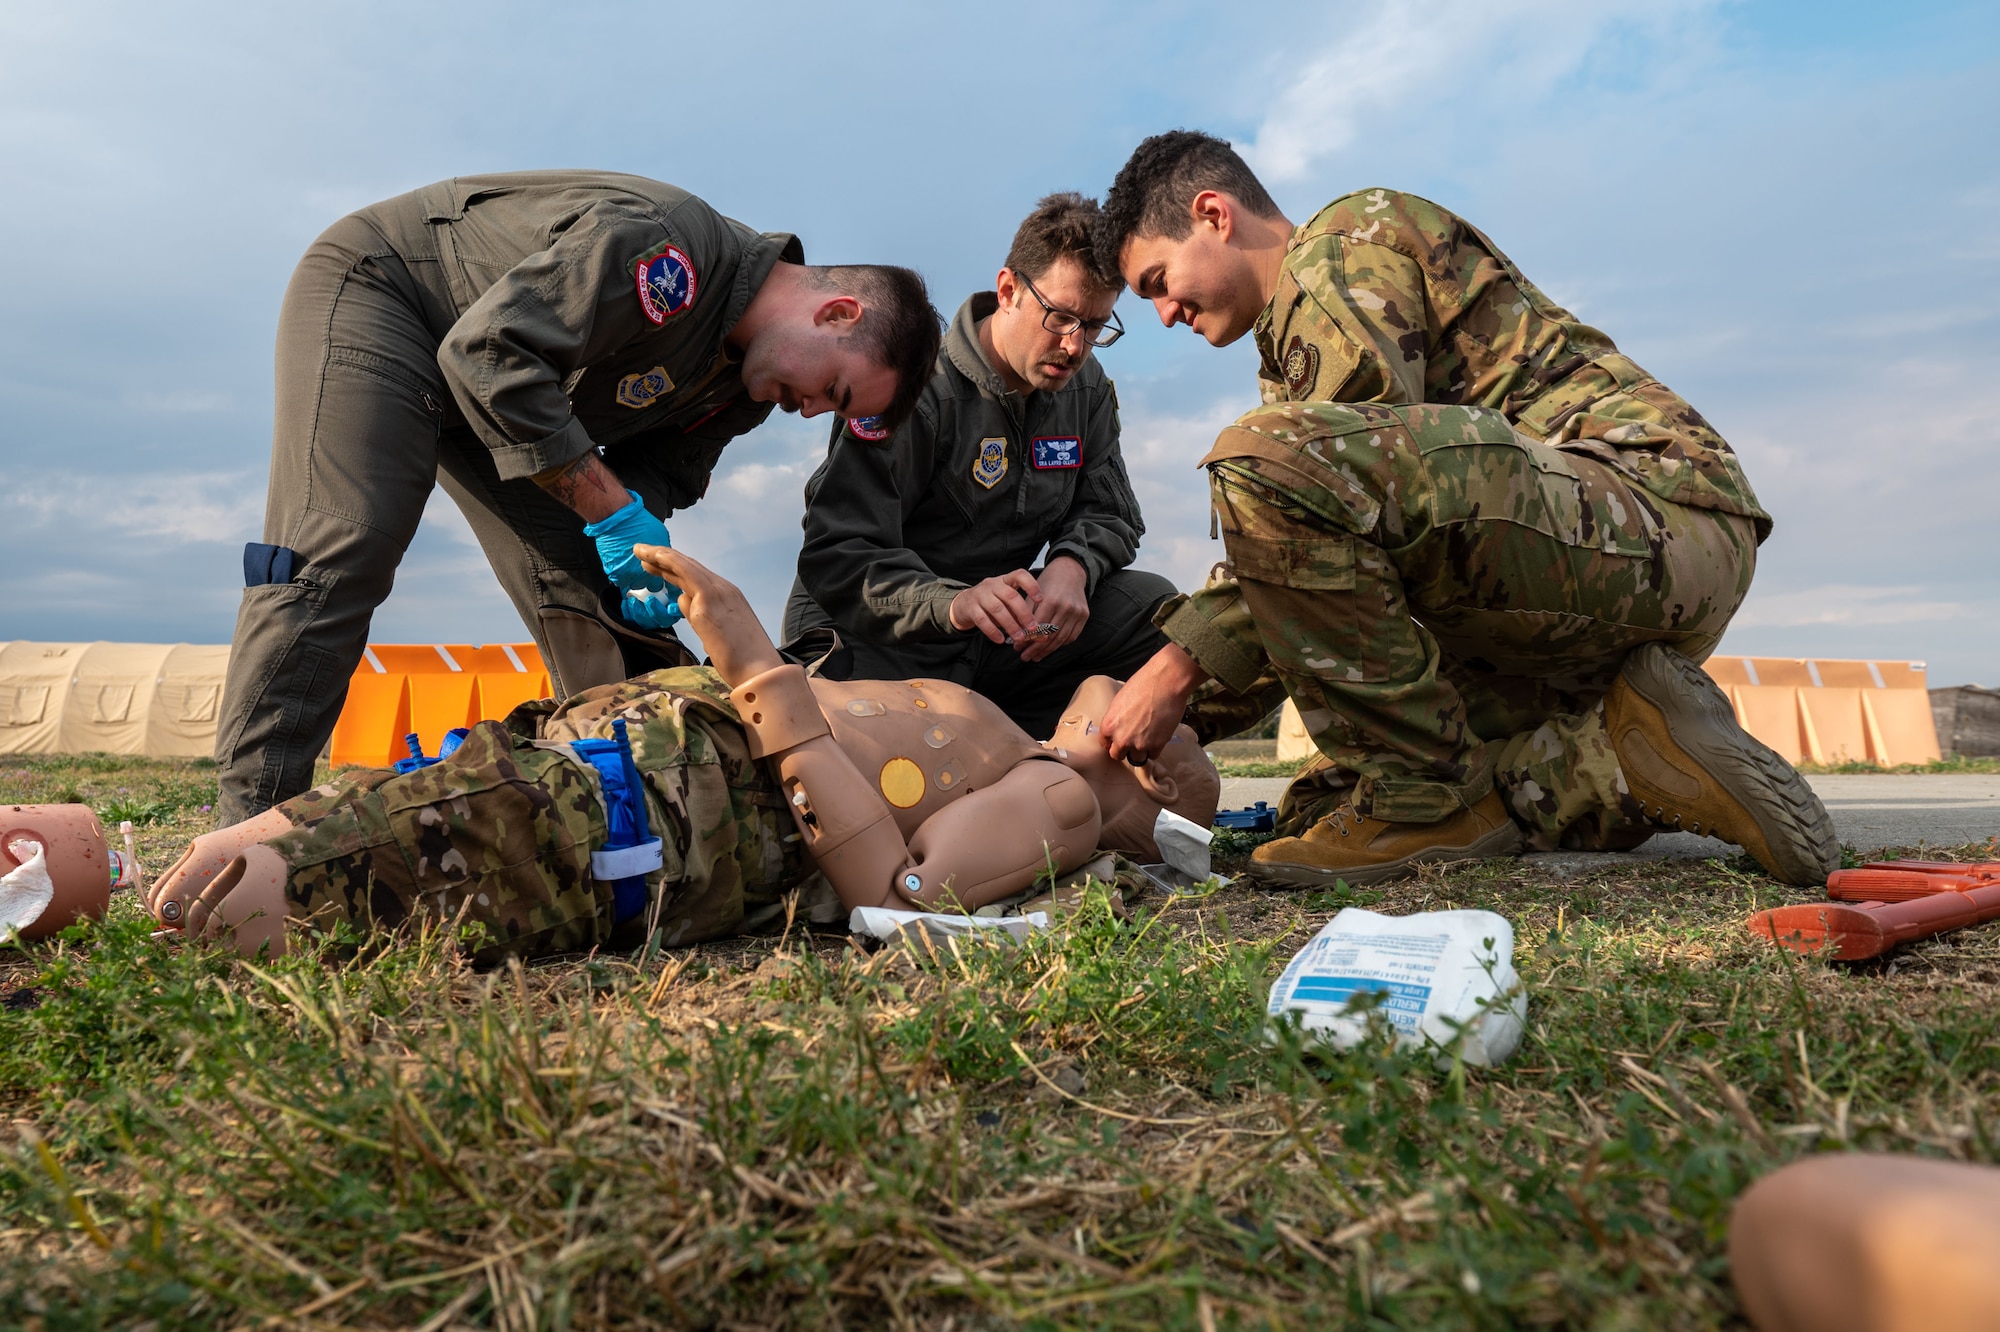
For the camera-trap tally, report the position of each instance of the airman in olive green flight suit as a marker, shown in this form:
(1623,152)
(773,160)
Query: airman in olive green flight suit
(974,484)
(474,333)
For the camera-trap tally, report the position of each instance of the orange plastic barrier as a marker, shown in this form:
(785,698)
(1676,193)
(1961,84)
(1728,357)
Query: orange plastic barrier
(429,689)
(1822,711)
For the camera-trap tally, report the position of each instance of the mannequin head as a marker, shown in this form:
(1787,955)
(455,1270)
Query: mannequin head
(1180,778)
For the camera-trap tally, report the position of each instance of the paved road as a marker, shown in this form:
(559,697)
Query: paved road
(1869,810)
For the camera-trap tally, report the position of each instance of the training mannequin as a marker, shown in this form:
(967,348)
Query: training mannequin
(905,794)
(1857,1242)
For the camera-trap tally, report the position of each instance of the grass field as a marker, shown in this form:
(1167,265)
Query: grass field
(1091,1130)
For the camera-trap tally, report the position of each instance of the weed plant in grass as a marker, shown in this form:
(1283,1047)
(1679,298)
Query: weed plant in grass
(1089,1130)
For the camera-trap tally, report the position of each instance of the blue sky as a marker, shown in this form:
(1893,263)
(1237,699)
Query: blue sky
(1785,211)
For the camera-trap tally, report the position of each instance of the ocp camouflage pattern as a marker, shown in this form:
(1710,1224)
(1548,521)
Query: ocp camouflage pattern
(1447,601)
(500,833)
(1385,297)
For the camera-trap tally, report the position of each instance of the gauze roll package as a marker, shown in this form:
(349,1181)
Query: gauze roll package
(1446,977)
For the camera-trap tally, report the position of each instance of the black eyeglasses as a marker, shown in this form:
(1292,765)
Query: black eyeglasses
(1097,332)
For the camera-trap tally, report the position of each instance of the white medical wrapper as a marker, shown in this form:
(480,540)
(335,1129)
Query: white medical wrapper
(1438,976)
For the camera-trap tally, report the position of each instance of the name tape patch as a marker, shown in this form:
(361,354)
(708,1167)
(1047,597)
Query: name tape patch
(666,284)
(1053,452)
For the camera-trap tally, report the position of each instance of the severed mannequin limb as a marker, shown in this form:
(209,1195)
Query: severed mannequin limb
(245,904)
(1859,1242)
(172,894)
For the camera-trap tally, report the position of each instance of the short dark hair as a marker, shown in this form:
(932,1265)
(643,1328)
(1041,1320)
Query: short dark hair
(899,327)
(1155,187)
(1063,226)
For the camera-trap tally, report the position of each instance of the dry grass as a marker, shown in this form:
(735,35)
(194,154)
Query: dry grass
(1089,1131)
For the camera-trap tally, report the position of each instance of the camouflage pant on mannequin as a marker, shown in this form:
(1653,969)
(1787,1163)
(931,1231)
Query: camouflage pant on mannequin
(500,834)
(1447,602)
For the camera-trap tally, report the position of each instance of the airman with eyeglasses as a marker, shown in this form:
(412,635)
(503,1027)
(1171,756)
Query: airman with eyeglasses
(921,543)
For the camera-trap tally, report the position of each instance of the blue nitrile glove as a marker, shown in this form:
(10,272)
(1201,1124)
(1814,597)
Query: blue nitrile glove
(648,601)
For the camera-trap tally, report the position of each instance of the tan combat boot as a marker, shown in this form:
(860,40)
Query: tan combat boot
(1692,767)
(1361,849)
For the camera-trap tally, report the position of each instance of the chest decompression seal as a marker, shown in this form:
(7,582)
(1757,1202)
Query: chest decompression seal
(630,850)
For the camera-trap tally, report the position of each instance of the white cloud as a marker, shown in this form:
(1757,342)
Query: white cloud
(1849,604)
(1161,452)
(210,507)
(1405,57)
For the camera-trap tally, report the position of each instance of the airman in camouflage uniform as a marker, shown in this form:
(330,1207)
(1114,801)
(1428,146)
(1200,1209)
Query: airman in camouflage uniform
(1459,512)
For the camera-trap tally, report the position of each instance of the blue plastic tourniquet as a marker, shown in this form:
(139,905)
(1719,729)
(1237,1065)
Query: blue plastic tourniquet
(630,851)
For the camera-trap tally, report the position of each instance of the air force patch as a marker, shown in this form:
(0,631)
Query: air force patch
(666,284)
(869,428)
(641,390)
(991,464)
(1301,368)
(1054,452)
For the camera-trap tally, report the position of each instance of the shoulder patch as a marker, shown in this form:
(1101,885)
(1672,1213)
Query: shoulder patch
(869,428)
(1056,452)
(642,390)
(1301,368)
(991,464)
(666,284)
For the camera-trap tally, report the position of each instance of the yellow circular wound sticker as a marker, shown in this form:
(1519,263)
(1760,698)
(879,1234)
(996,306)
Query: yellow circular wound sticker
(902,783)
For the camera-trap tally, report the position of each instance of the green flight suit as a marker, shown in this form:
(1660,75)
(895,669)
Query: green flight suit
(974,485)
(1462,508)
(474,333)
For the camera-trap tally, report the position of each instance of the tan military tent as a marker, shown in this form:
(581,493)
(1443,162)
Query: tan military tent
(159,699)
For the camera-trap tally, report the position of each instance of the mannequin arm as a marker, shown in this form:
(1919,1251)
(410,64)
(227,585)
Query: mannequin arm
(850,831)
(993,842)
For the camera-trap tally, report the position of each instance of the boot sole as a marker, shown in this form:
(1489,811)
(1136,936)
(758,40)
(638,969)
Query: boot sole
(1502,841)
(1778,819)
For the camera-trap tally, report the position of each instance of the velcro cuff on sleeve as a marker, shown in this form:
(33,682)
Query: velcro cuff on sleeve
(1196,635)
(627,861)
(517,461)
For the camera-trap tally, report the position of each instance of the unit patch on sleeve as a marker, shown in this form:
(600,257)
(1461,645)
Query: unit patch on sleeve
(991,464)
(869,428)
(666,284)
(642,390)
(1301,368)
(1054,452)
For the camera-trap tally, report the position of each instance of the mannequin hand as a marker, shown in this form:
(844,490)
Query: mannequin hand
(1142,718)
(1063,603)
(615,537)
(173,894)
(719,614)
(1002,608)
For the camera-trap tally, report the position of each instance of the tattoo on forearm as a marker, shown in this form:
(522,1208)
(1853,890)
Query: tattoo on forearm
(583,484)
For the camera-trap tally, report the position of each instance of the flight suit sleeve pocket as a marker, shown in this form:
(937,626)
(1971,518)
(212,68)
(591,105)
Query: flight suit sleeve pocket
(1323,563)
